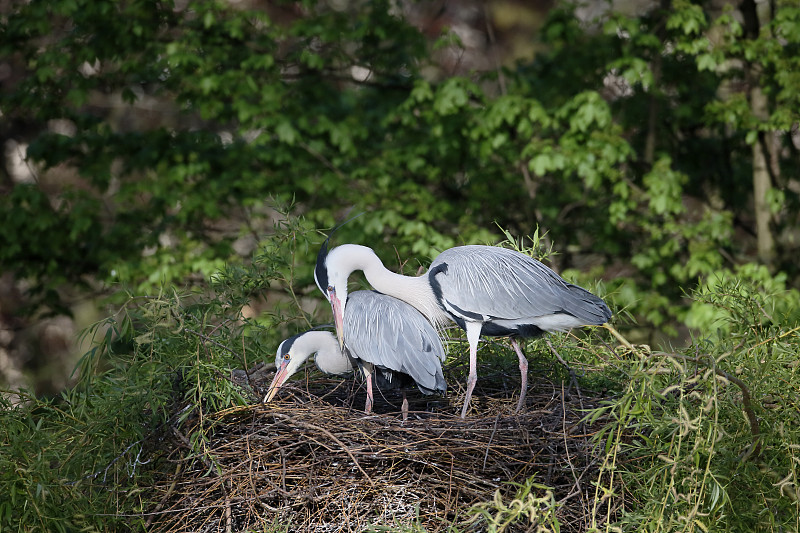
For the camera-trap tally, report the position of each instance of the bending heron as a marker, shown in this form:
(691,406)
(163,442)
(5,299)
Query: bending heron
(484,289)
(388,340)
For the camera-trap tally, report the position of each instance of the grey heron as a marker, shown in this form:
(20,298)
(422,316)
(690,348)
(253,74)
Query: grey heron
(386,339)
(484,289)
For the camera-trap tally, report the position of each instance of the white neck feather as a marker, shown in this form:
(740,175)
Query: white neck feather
(414,290)
(329,358)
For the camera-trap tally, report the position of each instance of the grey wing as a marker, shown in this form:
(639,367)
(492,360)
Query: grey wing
(491,283)
(393,335)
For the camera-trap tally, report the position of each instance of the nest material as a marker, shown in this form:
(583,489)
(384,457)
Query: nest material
(314,462)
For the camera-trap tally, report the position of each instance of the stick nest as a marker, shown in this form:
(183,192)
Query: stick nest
(313,461)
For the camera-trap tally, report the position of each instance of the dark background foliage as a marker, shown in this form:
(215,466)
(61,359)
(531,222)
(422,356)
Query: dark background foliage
(148,144)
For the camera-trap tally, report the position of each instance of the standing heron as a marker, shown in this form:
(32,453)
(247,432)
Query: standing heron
(388,340)
(484,289)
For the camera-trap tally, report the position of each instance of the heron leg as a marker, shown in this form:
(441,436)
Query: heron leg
(404,407)
(370,401)
(473,334)
(523,371)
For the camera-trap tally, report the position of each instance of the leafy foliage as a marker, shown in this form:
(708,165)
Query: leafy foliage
(693,436)
(53,453)
(688,436)
(157,366)
(537,510)
(629,142)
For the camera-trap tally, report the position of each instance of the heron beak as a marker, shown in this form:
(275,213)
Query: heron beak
(338,317)
(277,381)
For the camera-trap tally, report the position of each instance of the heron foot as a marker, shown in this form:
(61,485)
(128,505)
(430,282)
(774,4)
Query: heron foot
(471,380)
(370,401)
(521,402)
(523,373)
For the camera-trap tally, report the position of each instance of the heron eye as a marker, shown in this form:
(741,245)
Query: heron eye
(330,288)
(286,357)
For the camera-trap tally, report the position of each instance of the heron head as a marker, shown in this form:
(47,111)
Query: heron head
(287,362)
(331,275)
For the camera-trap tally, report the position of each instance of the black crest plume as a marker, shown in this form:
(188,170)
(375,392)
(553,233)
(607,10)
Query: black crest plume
(320,271)
(286,345)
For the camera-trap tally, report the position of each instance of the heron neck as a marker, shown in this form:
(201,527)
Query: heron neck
(414,290)
(329,358)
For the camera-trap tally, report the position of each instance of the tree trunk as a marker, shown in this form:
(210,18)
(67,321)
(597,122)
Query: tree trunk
(653,105)
(761,186)
(756,19)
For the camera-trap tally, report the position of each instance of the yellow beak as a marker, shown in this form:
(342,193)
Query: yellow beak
(338,317)
(277,381)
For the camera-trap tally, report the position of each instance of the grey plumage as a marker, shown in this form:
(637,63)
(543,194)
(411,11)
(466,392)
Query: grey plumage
(392,335)
(501,286)
(386,339)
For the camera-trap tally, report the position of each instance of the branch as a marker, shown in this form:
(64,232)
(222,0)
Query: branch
(747,405)
(755,446)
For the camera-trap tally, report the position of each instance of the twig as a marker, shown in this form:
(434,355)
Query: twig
(228,514)
(619,336)
(109,465)
(211,468)
(212,341)
(166,496)
(322,159)
(782,335)
(491,438)
(573,379)
(564,430)
(329,435)
(501,80)
(755,447)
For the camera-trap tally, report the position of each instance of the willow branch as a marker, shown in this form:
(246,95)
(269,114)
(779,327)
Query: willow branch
(747,404)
